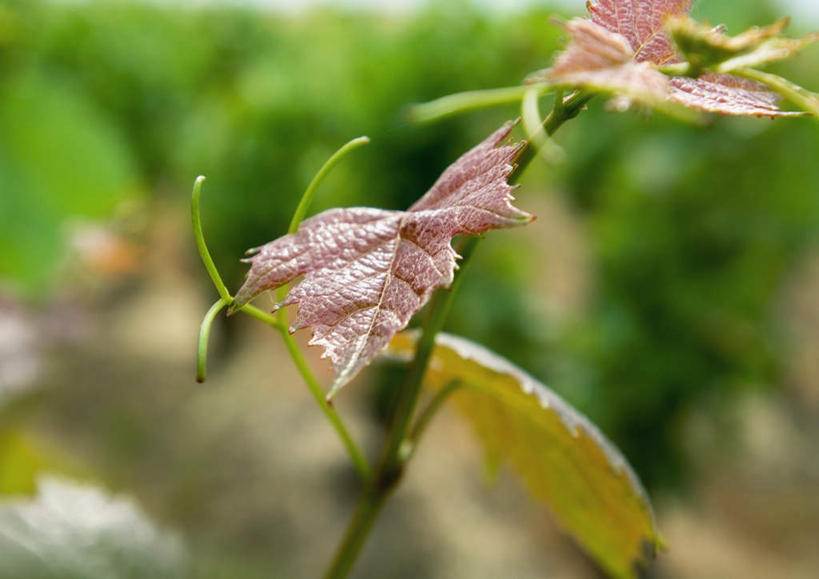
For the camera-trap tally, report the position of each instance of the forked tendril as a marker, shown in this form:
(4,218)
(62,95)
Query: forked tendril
(279,322)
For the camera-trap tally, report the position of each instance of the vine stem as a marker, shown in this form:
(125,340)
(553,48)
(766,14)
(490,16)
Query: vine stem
(472,100)
(400,439)
(426,416)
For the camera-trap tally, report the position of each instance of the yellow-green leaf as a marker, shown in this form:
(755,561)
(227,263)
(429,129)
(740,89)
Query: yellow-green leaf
(564,459)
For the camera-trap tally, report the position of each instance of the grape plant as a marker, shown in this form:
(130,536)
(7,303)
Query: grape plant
(359,275)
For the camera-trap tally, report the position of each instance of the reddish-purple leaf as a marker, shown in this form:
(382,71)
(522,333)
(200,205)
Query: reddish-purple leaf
(642,22)
(367,271)
(726,94)
(599,59)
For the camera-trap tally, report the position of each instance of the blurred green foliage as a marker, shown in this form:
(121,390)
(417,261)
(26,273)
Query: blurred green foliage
(691,230)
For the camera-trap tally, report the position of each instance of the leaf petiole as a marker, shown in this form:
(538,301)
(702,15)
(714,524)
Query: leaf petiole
(425,417)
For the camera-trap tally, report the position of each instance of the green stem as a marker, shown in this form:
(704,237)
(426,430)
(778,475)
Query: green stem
(262,316)
(533,127)
(472,100)
(204,337)
(569,108)
(391,462)
(207,260)
(427,414)
(366,511)
(359,461)
(309,193)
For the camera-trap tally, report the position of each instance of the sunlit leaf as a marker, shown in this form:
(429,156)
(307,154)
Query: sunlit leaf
(564,460)
(367,271)
(79,532)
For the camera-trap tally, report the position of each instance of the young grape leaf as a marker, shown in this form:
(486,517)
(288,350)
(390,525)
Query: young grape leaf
(705,47)
(597,61)
(367,271)
(642,23)
(602,60)
(726,94)
(564,460)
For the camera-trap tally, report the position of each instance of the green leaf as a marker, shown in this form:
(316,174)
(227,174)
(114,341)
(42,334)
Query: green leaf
(564,460)
(61,159)
(710,48)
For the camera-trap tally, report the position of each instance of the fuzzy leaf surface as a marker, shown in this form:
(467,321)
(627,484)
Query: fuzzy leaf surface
(642,23)
(563,459)
(367,271)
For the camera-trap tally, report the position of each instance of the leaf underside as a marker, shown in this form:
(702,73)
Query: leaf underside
(367,271)
(563,459)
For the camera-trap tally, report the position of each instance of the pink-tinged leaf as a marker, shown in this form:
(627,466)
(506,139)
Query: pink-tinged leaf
(602,60)
(726,94)
(642,23)
(367,271)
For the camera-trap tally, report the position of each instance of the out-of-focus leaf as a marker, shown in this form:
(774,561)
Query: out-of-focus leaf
(705,47)
(69,531)
(642,23)
(726,94)
(59,159)
(367,271)
(563,458)
(600,60)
